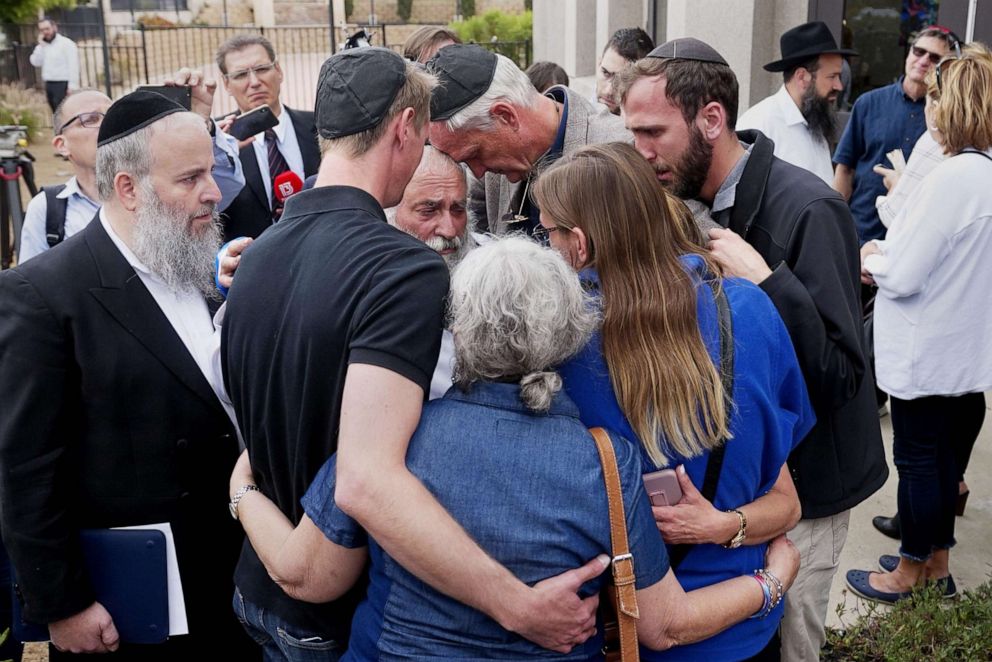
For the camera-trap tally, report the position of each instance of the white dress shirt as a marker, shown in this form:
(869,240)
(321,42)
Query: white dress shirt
(58,59)
(188,314)
(79,211)
(288,145)
(927,155)
(779,118)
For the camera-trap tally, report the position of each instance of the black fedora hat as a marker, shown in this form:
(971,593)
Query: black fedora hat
(804,43)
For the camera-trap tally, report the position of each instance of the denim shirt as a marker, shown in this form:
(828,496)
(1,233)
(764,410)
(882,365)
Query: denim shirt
(528,488)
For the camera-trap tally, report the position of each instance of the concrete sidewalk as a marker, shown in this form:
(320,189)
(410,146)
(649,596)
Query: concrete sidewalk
(971,559)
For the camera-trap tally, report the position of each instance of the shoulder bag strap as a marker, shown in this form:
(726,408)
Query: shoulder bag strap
(714,464)
(55,211)
(623,562)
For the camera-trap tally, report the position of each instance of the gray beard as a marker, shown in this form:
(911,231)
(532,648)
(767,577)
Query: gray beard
(164,243)
(462,245)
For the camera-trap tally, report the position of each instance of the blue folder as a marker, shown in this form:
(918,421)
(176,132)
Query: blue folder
(127,568)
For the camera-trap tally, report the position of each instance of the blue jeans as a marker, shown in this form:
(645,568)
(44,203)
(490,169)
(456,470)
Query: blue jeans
(280,640)
(926,434)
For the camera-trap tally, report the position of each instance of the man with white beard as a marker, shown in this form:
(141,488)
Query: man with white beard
(110,417)
(433,210)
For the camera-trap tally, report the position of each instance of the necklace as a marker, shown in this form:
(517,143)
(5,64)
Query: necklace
(519,216)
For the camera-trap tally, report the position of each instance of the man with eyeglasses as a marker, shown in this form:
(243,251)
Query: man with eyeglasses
(253,76)
(59,212)
(882,120)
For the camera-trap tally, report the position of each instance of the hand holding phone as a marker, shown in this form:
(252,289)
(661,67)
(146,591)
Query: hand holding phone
(181,94)
(253,122)
(663,487)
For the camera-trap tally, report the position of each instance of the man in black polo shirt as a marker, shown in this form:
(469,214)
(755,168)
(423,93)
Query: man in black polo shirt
(330,339)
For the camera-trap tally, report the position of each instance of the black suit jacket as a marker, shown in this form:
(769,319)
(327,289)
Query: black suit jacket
(106,420)
(249,214)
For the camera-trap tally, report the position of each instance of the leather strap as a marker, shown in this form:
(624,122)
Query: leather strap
(623,562)
(677,553)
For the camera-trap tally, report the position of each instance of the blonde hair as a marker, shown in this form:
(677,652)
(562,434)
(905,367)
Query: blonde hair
(964,98)
(662,374)
(415,93)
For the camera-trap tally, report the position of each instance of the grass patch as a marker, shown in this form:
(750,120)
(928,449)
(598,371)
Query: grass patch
(922,627)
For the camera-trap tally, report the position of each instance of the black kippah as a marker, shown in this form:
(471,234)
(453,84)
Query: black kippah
(464,73)
(688,48)
(355,89)
(133,112)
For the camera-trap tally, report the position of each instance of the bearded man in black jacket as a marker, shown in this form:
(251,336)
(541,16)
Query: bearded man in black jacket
(786,231)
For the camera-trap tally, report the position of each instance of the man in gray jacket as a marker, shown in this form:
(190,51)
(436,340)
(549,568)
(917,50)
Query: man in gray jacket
(487,115)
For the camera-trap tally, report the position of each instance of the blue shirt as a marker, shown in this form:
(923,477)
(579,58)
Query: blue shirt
(882,120)
(771,415)
(528,488)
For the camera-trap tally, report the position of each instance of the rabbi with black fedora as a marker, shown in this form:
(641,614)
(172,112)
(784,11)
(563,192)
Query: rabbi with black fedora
(801,117)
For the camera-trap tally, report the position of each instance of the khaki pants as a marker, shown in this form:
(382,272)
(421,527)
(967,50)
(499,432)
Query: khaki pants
(820,542)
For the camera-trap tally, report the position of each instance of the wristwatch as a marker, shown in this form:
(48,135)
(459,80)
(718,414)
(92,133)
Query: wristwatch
(236,499)
(738,539)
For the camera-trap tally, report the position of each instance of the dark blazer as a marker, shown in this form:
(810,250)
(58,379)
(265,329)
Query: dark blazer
(249,214)
(804,231)
(107,421)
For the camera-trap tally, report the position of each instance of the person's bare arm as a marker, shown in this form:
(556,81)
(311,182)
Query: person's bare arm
(694,520)
(844,180)
(379,412)
(300,559)
(672,617)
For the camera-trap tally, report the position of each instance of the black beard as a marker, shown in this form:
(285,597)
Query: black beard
(819,113)
(692,169)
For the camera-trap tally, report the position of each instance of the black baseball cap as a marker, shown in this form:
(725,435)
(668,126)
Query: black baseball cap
(355,90)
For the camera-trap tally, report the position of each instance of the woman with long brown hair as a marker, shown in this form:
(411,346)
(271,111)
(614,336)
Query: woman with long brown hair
(655,372)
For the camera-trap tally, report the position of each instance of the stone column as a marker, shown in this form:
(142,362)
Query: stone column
(265,13)
(611,15)
(565,33)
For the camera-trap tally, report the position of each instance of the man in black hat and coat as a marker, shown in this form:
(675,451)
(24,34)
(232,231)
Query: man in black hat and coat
(330,338)
(801,117)
(792,235)
(110,417)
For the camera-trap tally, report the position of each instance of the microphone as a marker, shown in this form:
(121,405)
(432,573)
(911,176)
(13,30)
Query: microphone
(286,185)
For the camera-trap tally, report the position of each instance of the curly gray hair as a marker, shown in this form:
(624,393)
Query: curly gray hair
(517,310)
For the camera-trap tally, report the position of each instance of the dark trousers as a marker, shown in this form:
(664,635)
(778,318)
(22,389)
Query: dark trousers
(928,434)
(56,90)
(770,653)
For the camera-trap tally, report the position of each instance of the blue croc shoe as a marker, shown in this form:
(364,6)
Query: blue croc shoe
(888,562)
(857,581)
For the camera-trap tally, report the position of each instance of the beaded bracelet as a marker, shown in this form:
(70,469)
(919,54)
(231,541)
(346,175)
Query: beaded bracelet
(766,591)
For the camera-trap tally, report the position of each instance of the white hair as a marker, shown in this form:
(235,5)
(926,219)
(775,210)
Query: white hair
(509,84)
(517,310)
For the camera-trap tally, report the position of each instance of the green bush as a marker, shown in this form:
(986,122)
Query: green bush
(404,8)
(349,9)
(468,8)
(505,27)
(21,105)
(923,627)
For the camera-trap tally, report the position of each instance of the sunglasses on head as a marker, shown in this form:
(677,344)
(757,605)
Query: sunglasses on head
(939,72)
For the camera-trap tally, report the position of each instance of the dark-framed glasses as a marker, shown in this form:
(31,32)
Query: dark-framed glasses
(921,52)
(89,120)
(543,234)
(241,75)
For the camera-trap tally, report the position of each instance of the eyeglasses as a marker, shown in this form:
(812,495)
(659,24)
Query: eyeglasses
(922,52)
(89,120)
(241,75)
(543,234)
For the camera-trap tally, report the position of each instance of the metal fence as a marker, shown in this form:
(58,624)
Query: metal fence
(139,55)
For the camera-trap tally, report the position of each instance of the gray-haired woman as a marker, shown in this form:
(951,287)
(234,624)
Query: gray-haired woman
(507,455)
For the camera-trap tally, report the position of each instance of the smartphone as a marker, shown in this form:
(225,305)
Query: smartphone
(253,122)
(181,94)
(663,487)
